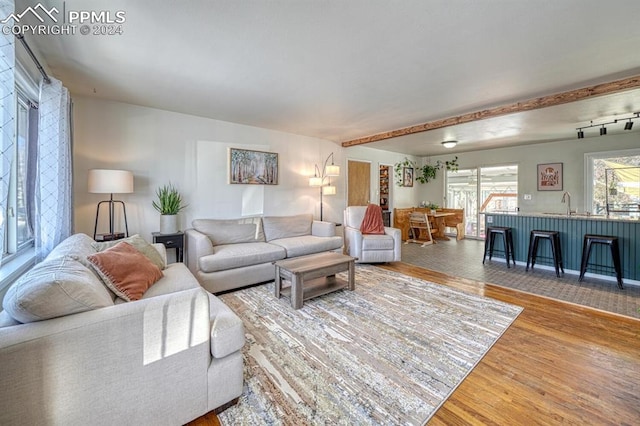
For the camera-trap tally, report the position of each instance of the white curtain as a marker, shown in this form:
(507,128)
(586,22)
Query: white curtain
(54,186)
(7,114)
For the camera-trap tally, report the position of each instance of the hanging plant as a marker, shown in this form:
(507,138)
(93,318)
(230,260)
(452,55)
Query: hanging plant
(425,173)
(429,172)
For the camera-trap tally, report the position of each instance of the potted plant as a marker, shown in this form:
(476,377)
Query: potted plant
(169,204)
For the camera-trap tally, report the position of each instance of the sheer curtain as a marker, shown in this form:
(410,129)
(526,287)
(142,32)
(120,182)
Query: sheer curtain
(54,220)
(7,115)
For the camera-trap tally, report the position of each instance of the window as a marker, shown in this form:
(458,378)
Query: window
(613,183)
(18,234)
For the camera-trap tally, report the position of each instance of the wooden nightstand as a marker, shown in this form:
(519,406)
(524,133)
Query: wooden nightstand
(175,241)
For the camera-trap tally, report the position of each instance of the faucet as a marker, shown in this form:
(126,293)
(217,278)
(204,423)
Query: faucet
(566,198)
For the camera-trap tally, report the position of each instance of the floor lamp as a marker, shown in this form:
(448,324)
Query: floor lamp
(111,182)
(318,179)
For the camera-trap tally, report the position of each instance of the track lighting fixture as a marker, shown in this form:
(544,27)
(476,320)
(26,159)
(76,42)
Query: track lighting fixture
(603,130)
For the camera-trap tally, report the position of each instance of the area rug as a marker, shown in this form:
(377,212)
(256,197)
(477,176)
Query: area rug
(390,352)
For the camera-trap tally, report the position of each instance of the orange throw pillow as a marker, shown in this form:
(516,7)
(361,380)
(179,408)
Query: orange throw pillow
(126,271)
(372,222)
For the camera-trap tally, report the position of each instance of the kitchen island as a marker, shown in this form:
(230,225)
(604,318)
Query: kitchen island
(572,230)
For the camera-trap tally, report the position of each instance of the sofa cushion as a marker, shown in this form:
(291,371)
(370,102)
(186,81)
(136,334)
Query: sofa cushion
(139,244)
(126,271)
(231,231)
(77,245)
(176,277)
(230,256)
(307,244)
(276,227)
(377,242)
(54,288)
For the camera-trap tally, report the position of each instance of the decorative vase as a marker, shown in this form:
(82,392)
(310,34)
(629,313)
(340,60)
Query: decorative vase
(168,223)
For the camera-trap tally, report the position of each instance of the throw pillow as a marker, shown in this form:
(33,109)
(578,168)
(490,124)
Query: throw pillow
(139,244)
(372,222)
(126,271)
(55,288)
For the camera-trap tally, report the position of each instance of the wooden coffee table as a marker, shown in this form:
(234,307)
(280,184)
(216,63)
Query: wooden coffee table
(314,275)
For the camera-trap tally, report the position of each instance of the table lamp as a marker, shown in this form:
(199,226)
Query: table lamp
(102,181)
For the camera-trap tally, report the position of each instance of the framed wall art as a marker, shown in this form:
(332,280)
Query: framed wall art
(407,176)
(550,177)
(253,167)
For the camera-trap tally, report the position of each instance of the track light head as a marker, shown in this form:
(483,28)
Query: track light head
(628,125)
(603,131)
(580,134)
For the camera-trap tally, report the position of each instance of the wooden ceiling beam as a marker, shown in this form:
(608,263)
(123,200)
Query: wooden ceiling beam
(528,105)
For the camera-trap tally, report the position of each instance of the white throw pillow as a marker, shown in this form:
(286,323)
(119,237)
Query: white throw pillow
(55,288)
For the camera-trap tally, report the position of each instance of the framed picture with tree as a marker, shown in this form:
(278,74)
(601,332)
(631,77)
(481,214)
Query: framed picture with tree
(253,167)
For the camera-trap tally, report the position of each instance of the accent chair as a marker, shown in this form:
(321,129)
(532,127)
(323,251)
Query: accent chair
(369,248)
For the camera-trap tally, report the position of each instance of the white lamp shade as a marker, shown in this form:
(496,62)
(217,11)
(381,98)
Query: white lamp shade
(329,190)
(449,144)
(332,170)
(102,181)
(315,181)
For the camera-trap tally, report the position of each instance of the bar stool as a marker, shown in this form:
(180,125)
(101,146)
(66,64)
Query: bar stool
(554,238)
(507,239)
(612,242)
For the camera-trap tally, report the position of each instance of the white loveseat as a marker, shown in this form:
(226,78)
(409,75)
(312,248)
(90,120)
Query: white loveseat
(233,253)
(165,359)
(370,248)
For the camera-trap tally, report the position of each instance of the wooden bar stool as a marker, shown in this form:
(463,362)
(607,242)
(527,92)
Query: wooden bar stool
(612,242)
(507,239)
(554,239)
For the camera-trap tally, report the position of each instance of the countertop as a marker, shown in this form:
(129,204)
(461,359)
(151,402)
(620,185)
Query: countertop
(574,216)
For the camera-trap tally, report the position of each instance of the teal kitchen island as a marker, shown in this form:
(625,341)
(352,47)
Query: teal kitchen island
(572,230)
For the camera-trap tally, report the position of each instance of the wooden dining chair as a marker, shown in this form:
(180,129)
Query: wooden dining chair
(420,231)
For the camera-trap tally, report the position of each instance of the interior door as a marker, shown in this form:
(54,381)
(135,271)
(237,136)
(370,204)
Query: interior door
(358,183)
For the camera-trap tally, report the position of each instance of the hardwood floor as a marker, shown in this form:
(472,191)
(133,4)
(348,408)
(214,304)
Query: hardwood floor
(557,363)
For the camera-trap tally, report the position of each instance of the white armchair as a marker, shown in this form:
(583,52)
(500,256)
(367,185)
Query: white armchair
(369,248)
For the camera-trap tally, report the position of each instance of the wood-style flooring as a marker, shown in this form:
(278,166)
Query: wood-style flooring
(558,363)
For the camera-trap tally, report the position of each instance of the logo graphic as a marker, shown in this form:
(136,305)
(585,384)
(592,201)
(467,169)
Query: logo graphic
(33,11)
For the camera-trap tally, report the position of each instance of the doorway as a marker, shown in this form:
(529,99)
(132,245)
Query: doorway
(481,190)
(358,183)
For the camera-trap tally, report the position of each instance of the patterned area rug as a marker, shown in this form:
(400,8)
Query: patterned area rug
(390,352)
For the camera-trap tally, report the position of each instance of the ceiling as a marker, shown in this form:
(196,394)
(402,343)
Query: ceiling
(343,70)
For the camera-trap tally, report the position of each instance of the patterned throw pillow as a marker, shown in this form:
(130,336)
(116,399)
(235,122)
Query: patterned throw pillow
(126,271)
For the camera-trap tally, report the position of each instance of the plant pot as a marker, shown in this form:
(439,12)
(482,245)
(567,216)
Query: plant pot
(168,223)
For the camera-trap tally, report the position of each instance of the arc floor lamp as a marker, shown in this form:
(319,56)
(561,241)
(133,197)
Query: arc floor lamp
(102,181)
(326,173)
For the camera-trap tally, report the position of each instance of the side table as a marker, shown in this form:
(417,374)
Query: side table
(175,241)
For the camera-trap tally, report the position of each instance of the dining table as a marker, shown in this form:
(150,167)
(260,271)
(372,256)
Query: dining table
(439,228)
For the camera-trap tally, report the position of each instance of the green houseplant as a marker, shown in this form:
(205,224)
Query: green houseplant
(168,204)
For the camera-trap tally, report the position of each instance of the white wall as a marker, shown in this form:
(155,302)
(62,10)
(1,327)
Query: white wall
(191,152)
(569,152)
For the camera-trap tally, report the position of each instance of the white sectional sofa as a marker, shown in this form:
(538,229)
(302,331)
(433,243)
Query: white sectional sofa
(229,254)
(85,357)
